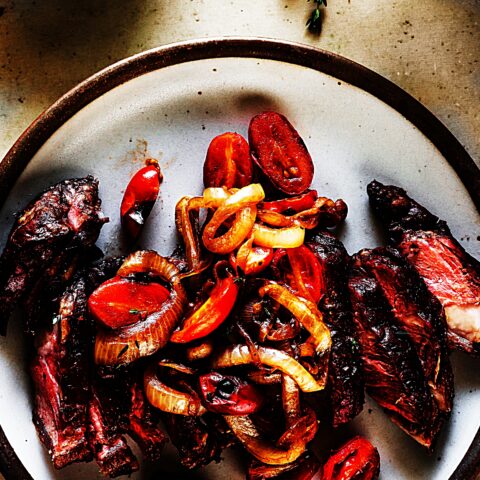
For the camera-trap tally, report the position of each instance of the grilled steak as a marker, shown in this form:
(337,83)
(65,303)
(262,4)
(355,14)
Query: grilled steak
(108,413)
(393,372)
(61,222)
(419,314)
(198,441)
(345,379)
(143,424)
(451,274)
(60,370)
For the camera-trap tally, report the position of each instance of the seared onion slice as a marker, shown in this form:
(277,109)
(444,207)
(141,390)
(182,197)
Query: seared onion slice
(126,344)
(305,311)
(187,231)
(168,399)
(247,433)
(241,355)
(241,205)
(201,351)
(289,237)
(290,400)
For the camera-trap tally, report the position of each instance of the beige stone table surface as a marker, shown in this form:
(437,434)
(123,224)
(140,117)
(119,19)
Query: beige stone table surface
(431,48)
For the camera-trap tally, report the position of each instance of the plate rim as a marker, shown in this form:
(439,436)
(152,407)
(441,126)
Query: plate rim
(337,66)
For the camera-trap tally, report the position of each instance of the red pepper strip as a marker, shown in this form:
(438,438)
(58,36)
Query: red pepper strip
(307,273)
(293,204)
(139,197)
(120,301)
(211,314)
(358,458)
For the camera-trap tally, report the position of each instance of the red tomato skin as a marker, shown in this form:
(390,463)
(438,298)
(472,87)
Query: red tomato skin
(119,302)
(228,163)
(279,151)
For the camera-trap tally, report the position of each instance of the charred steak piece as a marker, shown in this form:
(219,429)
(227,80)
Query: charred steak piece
(345,370)
(393,372)
(196,439)
(63,219)
(451,274)
(60,370)
(143,424)
(419,314)
(108,420)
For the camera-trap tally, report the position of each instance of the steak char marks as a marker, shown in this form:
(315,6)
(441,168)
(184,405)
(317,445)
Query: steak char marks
(451,274)
(419,314)
(60,370)
(345,378)
(394,375)
(53,229)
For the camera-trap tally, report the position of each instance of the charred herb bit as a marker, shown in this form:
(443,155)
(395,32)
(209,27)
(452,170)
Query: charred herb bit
(314,23)
(122,351)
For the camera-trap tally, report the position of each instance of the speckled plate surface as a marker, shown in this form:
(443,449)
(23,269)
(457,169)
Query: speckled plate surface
(168,103)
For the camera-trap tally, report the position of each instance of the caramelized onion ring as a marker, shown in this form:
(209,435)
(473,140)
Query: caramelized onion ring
(290,400)
(242,204)
(185,228)
(247,433)
(236,234)
(305,311)
(124,345)
(168,399)
(289,237)
(241,355)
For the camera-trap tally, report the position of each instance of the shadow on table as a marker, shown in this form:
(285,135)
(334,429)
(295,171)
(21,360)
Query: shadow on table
(50,45)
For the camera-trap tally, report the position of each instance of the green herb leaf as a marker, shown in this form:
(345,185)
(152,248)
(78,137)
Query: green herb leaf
(314,23)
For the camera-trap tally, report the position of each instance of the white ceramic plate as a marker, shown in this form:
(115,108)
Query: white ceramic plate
(168,104)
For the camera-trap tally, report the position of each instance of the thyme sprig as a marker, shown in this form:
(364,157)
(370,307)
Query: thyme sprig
(314,23)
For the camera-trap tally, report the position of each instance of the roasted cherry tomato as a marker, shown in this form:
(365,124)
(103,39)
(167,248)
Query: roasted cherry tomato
(292,204)
(229,395)
(139,197)
(228,163)
(279,151)
(211,314)
(251,260)
(119,301)
(304,468)
(357,459)
(303,272)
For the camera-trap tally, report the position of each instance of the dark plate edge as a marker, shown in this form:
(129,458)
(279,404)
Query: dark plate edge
(339,67)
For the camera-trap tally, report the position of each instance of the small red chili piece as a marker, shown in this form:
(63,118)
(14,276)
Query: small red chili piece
(292,204)
(119,302)
(280,152)
(139,197)
(229,395)
(211,314)
(228,163)
(356,459)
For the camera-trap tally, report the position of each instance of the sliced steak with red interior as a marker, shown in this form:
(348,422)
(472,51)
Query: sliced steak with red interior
(451,274)
(345,381)
(60,369)
(419,314)
(108,413)
(143,424)
(394,375)
(64,219)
